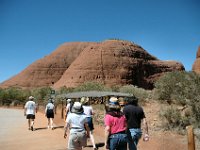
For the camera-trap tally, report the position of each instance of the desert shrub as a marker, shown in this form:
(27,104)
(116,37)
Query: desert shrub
(195,104)
(140,93)
(115,88)
(164,86)
(99,114)
(41,94)
(91,86)
(181,88)
(178,86)
(12,94)
(64,90)
(173,119)
(1,95)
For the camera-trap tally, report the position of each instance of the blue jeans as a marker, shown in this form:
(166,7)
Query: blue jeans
(118,141)
(134,134)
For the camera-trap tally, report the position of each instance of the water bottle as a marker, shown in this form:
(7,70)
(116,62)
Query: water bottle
(146,138)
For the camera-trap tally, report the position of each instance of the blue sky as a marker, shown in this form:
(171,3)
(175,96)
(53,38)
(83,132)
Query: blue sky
(32,29)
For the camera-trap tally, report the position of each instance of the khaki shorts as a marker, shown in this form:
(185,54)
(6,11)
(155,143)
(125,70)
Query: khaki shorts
(77,140)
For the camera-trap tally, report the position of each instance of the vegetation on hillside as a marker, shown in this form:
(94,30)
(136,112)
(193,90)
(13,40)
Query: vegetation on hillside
(179,90)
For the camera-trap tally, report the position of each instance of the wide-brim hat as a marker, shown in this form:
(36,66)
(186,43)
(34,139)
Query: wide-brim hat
(84,100)
(113,103)
(31,98)
(77,108)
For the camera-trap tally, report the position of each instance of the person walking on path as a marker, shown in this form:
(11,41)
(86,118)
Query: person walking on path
(68,108)
(135,115)
(89,112)
(29,111)
(115,126)
(49,113)
(76,122)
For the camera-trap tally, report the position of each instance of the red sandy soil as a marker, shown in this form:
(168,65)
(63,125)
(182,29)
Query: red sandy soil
(43,139)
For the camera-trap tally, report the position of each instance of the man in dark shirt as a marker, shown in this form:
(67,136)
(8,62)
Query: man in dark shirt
(135,115)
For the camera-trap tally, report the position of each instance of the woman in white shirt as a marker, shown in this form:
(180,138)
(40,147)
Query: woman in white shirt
(49,113)
(89,112)
(79,131)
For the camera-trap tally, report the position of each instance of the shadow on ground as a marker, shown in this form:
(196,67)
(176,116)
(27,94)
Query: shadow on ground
(97,145)
(44,128)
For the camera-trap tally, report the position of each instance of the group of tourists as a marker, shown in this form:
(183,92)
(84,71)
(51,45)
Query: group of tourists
(123,127)
(30,109)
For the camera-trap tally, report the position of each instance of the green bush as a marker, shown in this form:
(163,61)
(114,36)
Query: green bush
(13,94)
(138,92)
(181,88)
(178,86)
(41,94)
(64,90)
(173,119)
(99,114)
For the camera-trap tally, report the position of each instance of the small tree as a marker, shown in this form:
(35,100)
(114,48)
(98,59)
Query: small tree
(41,93)
(140,93)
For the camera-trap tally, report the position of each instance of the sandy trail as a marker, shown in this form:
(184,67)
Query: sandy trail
(14,135)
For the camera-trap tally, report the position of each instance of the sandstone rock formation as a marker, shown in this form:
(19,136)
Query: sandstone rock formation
(196,65)
(111,62)
(48,69)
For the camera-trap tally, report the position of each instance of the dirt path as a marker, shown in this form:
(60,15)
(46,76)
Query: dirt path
(14,135)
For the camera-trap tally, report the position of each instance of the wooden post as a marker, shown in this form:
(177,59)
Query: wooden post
(191,141)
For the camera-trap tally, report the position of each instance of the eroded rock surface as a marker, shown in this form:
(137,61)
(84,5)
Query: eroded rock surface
(111,62)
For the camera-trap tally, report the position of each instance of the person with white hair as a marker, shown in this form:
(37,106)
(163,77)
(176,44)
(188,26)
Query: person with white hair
(30,109)
(76,122)
(68,107)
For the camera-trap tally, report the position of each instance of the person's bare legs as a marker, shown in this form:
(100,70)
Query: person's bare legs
(29,124)
(48,123)
(92,139)
(51,120)
(32,123)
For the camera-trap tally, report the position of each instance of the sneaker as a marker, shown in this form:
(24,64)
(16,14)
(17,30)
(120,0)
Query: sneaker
(47,127)
(31,128)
